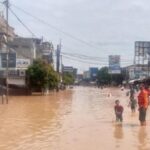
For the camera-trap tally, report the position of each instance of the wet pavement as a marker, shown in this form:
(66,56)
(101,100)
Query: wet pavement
(78,119)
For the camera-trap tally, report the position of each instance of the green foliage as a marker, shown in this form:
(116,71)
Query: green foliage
(41,75)
(68,78)
(104,77)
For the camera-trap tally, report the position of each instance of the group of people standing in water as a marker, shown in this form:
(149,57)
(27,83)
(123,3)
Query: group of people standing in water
(142,101)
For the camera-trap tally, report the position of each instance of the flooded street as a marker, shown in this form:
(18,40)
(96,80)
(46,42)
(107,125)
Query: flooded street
(77,119)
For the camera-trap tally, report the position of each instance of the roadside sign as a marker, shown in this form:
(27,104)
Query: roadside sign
(22,63)
(114,64)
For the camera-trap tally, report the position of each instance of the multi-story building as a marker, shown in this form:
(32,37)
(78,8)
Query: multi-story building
(3,29)
(46,52)
(31,48)
(25,47)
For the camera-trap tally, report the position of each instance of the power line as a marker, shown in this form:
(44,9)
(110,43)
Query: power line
(59,30)
(94,57)
(88,62)
(55,28)
(78,60)
(84,57)
(27,28)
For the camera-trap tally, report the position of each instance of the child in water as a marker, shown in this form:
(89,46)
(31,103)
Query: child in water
(118,111)
(133,104)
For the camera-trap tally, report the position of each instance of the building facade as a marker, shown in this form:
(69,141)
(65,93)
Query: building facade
(3,29)
(93,73)
(137,71)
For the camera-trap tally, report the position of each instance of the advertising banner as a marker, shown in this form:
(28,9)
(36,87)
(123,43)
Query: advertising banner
(114,64)
(142,48)
(22,63)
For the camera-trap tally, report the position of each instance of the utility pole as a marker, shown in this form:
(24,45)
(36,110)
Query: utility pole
(58,60)
(61,63)
(6,3)
(58,57)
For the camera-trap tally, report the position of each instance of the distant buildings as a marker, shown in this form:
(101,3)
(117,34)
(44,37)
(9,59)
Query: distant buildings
(137,71)
(86,75)
(141,67)
(79,77)
(70,69)
(91,74)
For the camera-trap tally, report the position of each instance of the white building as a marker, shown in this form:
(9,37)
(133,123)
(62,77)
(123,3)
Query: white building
(138,71)
(86,75)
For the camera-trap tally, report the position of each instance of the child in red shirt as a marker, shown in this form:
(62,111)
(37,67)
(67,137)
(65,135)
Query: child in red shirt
(118,111)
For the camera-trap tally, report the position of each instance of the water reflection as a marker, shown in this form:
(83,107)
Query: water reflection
(118,132)
(142,137)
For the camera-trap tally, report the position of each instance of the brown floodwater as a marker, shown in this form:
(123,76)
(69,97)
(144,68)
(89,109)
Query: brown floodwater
(78,119)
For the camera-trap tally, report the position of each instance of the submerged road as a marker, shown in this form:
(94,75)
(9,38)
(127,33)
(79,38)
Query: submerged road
(78,119)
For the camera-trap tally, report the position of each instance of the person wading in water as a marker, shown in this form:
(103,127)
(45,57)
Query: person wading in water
(143,104)
(118,111)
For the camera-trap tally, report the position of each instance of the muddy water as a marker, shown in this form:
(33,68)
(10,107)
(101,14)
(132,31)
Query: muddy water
(78,119)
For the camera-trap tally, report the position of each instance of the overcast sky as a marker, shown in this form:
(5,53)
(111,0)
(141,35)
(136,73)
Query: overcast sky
(109,26)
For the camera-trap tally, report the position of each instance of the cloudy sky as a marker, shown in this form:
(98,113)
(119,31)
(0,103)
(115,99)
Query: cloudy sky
(109,26)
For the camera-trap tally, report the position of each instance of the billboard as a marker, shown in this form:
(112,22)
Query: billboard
(114,64)
(68,69)
(22,63)
(93,72)
(11,60)
(142,48)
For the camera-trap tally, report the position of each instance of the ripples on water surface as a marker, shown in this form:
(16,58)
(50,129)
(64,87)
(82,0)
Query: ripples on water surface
(78,119)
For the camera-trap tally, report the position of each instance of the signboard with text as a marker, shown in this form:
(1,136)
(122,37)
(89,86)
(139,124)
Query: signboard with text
(22,63)
(114,64)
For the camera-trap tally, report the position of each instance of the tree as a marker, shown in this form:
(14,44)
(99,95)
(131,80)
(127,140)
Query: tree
(41,75)
(68,78)
(103,77)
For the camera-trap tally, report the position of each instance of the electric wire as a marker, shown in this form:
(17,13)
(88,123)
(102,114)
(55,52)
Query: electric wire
(25,26)
(55,28)
(71,36)
(92,57)
(99,59)
(87,61)
(80,57)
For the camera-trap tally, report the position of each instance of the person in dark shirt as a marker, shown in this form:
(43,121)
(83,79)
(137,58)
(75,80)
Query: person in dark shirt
(118,111)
